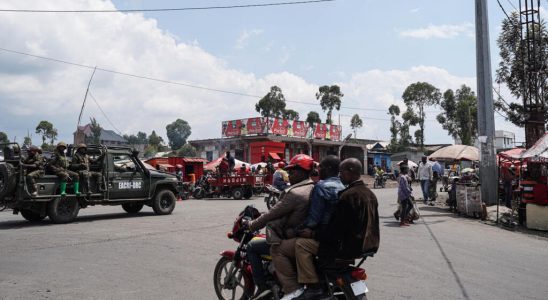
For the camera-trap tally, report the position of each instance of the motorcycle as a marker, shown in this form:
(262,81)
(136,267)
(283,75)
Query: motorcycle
(380,181)
(232,277)
(272,197)
(202,188)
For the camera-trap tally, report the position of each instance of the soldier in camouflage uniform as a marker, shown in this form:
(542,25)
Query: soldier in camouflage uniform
(34,165)
(60,166)
(80,163)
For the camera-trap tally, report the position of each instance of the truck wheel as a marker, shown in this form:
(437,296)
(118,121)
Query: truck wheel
(63,210)
(31,216)
(237,193)
(132,207)
(164,202)
(248,192)
(7,179)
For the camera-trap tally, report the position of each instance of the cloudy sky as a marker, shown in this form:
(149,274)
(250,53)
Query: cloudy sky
(372,49)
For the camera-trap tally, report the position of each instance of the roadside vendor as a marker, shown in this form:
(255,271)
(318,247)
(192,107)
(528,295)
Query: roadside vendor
(508,176)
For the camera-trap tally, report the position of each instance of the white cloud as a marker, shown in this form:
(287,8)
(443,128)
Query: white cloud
(32,89)
(415,10)
(244,37)
(439,31)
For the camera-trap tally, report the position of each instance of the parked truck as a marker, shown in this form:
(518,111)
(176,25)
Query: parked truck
(128,183)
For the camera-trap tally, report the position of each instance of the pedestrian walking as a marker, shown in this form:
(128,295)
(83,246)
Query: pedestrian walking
(404,195)
(425,176)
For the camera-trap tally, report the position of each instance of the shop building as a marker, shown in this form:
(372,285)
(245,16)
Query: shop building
(260,139)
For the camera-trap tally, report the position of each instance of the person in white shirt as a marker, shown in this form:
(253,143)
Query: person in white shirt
(425,175)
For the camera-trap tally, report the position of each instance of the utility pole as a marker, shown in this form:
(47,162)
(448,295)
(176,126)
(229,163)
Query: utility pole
(486,118)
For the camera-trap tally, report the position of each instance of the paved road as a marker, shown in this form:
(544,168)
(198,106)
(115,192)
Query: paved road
(107,255)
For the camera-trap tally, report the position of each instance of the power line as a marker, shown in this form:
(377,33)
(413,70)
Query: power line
(172,82)
(166,9)
(104,114)
(512,4)
(191,85)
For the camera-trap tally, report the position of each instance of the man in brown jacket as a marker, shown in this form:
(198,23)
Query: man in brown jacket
(354,227)
(282,220)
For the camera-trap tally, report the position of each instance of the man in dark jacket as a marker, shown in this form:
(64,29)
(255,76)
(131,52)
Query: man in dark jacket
(283,219)
(354,227)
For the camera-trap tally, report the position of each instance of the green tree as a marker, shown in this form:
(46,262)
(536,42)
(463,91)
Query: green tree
(96,129)
(460,114)
(27,141)
(313,117)
(395,126)
(330,98)
(150,151)
(155,140)
(44,128)
(355,123)
(4,137)
(512,66)
(409,119)
(290,114)
(417,96)
(187,150)
(177,133)
(272,104)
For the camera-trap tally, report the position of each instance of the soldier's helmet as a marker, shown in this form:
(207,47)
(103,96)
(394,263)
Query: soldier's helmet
(34,149)
(61,144)
(82,145)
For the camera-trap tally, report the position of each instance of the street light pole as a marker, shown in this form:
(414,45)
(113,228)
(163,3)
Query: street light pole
(486,118)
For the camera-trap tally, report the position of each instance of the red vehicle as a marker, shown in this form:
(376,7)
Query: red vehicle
(235,186)
(193,167)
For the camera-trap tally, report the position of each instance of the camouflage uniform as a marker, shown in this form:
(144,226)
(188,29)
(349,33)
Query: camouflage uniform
(34,165)
(80,163)
(60,166)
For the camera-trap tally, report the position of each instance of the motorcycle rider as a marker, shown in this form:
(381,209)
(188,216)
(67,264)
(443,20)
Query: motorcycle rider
(280,179)
(354,226)
(282,220)
(34,165)
(379,174)
(322,203)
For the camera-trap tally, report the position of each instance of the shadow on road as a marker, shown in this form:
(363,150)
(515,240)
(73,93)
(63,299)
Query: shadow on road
(18,224)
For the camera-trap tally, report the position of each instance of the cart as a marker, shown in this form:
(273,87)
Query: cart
(235,186)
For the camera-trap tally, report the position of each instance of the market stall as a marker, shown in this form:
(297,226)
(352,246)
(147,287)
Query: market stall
(465,189)
(534,185)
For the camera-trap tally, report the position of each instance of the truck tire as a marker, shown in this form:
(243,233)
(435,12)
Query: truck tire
(63,210)
(237,193)
(248,192)
(164,202)
(7,179)
(132,207)
(31,216)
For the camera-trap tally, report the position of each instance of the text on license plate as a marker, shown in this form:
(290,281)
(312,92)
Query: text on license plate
(359,287)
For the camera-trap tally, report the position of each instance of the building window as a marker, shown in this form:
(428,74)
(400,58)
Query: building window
(209,155)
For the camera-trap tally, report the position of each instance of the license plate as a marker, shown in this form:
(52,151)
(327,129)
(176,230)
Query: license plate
(359,287)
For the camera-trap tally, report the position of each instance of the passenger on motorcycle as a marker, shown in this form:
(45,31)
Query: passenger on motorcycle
(280,179)
(322,203)
(281,221)
(354,227)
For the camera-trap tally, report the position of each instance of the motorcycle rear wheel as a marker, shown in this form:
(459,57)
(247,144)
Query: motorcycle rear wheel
(229,286)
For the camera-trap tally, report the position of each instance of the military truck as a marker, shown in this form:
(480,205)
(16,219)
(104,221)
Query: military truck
(128,182)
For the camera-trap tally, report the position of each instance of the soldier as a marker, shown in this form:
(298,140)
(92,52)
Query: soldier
(80,163)
(60,166)
(34,165)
